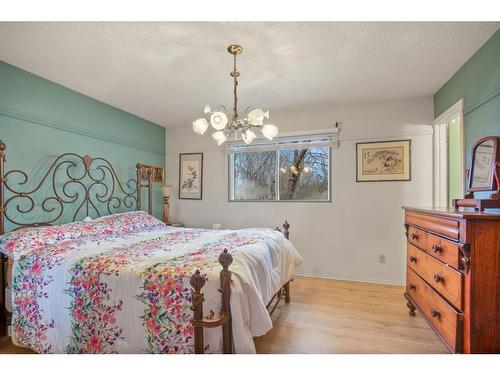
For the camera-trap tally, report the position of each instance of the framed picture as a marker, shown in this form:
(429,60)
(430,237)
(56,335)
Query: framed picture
(383,161)
(190,176)
(157,173)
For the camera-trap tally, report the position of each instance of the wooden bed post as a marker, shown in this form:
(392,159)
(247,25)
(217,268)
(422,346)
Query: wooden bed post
(225,259)
(3,258)
(139,182)
(197,281)
(3,146)
(286,290)
(150,193)
(286,287)
(144,174)
(285,232)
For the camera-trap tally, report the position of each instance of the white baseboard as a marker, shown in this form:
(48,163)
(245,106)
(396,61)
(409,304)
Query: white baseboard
(370,281)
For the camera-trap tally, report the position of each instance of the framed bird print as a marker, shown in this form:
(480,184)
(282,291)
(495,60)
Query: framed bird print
(191,176)
(383,161)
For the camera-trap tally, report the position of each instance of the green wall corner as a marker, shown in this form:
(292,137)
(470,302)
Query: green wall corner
(478,83)
(40,120)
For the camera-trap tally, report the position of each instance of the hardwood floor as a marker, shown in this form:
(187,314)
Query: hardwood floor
(331,316)
(6,347)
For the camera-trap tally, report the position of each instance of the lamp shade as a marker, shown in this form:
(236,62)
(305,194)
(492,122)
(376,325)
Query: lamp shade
(269,131)
(218,120)
(200,126)
(219,137)
(256,116)
(166,190)
(248,136)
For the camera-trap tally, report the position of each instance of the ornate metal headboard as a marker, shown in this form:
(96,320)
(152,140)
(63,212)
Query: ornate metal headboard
(80,184)
(71,182)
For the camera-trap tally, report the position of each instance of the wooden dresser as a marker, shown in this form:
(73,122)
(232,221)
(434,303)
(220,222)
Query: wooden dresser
(453,275)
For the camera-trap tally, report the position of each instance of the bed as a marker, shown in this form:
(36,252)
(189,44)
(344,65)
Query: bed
(126,282)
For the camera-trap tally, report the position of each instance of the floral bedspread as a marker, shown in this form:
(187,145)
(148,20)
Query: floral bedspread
(120,284)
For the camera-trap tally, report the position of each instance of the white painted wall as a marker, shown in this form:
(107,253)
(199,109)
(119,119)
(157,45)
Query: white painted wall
(341,239)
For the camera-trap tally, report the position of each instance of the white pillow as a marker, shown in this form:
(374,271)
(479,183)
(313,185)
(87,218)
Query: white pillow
(88,218)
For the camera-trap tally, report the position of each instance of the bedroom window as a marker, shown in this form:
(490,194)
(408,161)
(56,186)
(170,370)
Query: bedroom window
(255,175)
(287,169)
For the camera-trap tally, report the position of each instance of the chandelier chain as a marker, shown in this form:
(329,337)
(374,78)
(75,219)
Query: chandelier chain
(235,74)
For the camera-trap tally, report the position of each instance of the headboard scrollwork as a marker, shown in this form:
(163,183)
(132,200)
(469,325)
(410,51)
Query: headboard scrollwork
(82,185)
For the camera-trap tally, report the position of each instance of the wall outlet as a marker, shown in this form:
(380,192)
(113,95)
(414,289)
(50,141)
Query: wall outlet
(381,258)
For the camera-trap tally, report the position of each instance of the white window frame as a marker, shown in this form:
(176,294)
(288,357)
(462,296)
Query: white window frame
(440,157)
(230,175)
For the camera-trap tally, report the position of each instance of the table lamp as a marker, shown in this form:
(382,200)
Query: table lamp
(166,190)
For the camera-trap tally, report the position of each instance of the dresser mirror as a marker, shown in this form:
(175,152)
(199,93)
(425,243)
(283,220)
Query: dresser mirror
(484,164)
(484,175)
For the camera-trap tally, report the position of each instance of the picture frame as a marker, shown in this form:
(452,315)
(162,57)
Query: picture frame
(191,176)
(157,174)
(383,161)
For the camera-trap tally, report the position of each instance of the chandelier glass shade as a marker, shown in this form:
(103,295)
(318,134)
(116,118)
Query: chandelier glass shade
(235,127)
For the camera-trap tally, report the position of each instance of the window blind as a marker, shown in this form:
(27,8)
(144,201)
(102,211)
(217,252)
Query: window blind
(329,139)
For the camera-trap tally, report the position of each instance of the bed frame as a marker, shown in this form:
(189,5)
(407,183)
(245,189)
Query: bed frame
(197,281)
(100,192)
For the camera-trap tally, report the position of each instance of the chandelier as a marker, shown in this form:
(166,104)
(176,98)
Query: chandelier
(236,127)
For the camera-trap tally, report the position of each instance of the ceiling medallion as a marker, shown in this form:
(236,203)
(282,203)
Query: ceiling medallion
(235,127)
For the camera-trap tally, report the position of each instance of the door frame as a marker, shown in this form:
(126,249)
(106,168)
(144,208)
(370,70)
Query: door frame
(440,157)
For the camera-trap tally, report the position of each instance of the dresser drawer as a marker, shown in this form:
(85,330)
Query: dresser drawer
(439,225)
(444,279)
(440,248)
(444,250)
(446,321)
(418,237)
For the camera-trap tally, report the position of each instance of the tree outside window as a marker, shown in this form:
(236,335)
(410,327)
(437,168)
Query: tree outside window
(286,175)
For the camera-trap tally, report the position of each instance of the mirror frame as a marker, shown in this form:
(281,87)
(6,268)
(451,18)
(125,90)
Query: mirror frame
(493,183)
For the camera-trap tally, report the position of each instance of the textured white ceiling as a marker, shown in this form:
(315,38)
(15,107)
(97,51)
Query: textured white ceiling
(167,72)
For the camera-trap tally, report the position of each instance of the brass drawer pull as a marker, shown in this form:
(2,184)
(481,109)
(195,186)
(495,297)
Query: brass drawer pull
(414,236)
(413,258)
(436,248)
(435,313)
(438,278)
(412,286)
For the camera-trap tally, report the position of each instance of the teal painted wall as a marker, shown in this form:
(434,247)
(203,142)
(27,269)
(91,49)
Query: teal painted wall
(478,83)
(40,120)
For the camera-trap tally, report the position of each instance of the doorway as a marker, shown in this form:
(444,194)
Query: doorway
(449,161)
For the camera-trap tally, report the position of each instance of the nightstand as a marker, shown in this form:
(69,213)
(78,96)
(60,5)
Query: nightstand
(177,225)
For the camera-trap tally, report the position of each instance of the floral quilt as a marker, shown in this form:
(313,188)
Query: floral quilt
(120,284)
